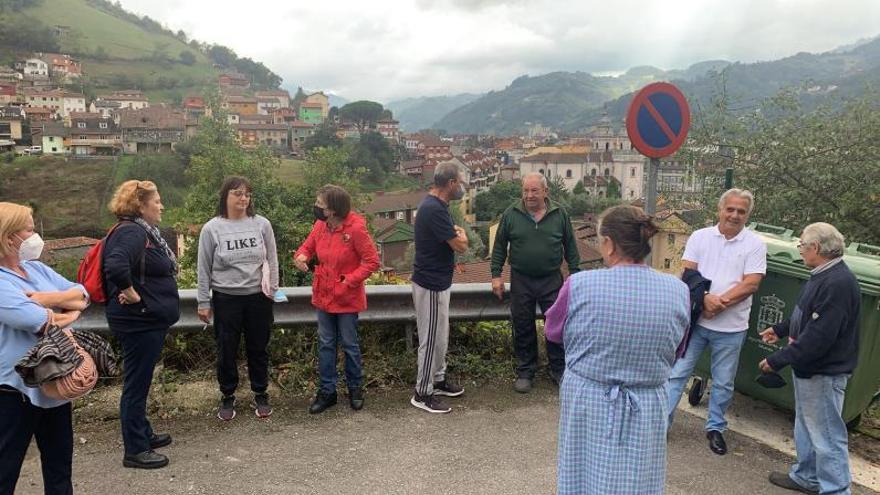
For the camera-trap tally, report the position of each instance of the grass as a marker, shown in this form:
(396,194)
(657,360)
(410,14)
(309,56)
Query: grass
(127,48)
(94,28)
(291,171)
(69,197)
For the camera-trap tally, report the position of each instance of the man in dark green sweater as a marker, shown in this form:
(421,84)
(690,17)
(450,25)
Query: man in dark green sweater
(538,234)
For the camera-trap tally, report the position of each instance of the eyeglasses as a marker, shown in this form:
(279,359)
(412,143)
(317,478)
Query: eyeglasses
(238,193)
(802,245)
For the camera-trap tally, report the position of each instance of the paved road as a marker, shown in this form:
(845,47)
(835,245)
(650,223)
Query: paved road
(495,442)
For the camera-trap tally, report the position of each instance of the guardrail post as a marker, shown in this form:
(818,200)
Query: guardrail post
(409,330)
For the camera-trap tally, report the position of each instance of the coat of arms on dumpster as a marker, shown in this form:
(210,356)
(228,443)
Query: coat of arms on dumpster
(770,311)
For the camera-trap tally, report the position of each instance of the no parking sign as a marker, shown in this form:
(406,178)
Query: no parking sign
(658,119)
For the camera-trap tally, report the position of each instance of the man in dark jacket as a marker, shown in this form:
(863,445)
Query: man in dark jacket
(538,234)
(822,351)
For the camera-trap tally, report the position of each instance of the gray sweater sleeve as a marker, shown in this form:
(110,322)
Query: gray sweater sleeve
(271,254)
(204,266)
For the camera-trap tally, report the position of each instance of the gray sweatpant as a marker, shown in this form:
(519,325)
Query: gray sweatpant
(432,320)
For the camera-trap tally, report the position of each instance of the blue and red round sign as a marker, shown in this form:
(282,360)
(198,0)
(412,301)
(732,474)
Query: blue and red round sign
(658,119)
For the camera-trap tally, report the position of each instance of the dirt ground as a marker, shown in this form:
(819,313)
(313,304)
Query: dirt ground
(495,441)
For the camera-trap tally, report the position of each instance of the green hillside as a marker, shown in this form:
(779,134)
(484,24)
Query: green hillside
(119,49)
(573,101)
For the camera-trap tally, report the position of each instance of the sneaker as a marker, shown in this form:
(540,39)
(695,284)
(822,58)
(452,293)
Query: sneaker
(523,385)
(429,403)
(448,389)
(322,401)
(261,406)
(227,408)
(356,398)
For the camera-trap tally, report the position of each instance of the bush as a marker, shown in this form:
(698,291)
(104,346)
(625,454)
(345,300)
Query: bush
(187,57)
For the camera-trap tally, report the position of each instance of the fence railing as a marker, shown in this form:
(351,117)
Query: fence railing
(385,304)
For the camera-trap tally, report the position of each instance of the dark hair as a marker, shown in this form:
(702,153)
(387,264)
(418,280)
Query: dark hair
(336,199)
(630,229)
(232,183)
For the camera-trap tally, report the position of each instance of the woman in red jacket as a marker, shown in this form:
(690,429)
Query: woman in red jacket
(346,256)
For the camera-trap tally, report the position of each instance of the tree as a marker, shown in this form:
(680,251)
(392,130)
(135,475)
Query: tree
(100,53)
(299,97)
(803,165)
(490,204)
(579,188)
(187,57)
(613,189)
(216,155)
(362,114)
(558,192)
(324,137)
(373,153)
(475,244)
(222,56)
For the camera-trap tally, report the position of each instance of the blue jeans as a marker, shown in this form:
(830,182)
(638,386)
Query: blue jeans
(725,349)
(332,328)
(820,435)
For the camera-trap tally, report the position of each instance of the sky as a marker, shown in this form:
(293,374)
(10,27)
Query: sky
(386,50)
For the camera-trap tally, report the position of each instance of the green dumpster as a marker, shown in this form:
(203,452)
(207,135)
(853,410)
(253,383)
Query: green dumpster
(774,301)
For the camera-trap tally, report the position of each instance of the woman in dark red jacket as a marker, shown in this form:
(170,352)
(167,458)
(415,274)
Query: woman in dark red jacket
(346,256)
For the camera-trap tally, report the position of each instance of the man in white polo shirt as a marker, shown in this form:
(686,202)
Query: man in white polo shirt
(735,260)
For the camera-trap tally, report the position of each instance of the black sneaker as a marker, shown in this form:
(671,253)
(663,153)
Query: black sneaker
(429,403)
(227,408)
(322,401)
(447,389)
(261,406)
(356,398)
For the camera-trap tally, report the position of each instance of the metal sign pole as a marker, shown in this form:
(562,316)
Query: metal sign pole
(651,197)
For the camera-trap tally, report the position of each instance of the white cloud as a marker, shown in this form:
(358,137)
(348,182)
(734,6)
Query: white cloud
(386,49)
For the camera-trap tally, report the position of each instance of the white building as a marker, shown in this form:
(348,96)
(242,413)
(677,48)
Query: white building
(33,68)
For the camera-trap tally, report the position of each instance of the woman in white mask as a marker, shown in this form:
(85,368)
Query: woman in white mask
(32,297)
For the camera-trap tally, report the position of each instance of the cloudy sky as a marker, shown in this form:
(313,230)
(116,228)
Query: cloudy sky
(391,49)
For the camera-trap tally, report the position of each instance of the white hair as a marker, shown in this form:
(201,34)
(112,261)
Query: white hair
(536,175)
(830,241)
(740,193)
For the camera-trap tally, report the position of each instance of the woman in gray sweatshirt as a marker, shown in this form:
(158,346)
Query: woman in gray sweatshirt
(238,275)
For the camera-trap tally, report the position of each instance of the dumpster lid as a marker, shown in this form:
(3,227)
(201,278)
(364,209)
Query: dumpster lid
(862,259)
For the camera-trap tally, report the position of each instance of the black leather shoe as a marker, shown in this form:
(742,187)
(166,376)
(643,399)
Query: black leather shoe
(145,460)
(159,440)
(322,401)
(784,481)
(356,399)
(716,442)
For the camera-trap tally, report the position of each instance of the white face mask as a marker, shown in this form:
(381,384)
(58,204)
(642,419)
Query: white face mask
(31,248)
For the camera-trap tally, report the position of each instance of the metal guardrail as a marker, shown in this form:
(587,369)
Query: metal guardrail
(385,304)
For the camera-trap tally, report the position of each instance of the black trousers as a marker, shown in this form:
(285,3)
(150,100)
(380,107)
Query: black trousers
(252,316)
(140,353)
(525,293)
(19,422)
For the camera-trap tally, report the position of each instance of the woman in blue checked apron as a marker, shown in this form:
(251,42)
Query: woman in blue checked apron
(620,327)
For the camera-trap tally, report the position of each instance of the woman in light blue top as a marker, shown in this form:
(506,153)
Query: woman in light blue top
(32,297)
(621,327)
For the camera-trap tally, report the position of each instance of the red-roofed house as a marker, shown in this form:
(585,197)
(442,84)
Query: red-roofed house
(396,205)
(389,129)
(234,80)
(62,66)
(272,135)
